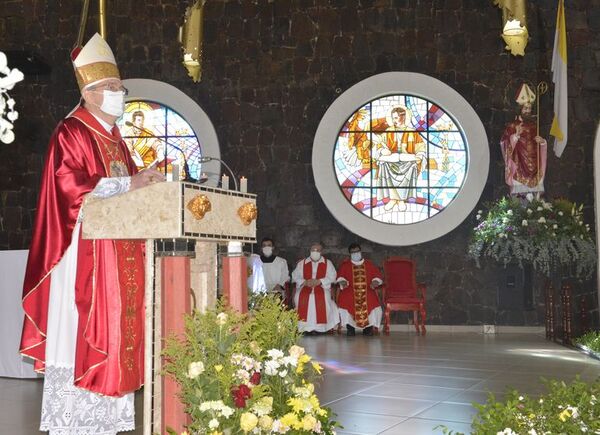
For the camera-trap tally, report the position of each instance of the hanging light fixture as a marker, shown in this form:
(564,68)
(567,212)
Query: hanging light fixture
(514,25)
(190,36)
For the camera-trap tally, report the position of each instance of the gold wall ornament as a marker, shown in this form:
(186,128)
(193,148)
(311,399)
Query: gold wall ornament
(190,37)
(247,213)
(199,206)
(514,25)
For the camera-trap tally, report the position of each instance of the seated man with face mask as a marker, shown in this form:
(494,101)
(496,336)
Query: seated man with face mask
(358,303)
(313,276)
(270,273)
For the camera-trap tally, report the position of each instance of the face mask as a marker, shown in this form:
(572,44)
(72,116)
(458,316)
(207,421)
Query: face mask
(267,251)
(315,255)
(356,256)
(114,103)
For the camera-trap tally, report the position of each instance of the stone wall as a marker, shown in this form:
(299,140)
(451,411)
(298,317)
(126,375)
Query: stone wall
(272,68)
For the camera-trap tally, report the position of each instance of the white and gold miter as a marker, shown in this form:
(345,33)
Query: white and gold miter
(94,62)
(525,95)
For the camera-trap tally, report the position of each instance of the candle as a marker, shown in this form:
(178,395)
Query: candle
(244,185)
(225,182)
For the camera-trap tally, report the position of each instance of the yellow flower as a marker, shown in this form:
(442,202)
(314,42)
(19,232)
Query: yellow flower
(564,415)
(265,422)
(218,368)
(289,420)
(248,421)
(216,432)
(532,415)
(296,404)
(309,422)
(317,367)
(304,358)
(300,368)
(314,401)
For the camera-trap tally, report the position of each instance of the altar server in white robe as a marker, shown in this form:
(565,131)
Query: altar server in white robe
(313,276)
(270,273)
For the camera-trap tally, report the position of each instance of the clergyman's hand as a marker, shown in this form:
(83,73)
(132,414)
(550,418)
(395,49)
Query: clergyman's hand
(146,177)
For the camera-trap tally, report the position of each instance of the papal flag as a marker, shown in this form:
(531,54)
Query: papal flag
(559,77)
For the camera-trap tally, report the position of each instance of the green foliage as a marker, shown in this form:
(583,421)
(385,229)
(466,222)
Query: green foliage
(566,409)
(545,234)
(591,340)
(246,374)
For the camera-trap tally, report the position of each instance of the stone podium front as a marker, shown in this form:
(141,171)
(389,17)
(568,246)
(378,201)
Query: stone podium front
(182,223)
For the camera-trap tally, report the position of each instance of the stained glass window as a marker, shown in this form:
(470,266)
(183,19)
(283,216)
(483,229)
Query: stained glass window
(400,159)
(156,134)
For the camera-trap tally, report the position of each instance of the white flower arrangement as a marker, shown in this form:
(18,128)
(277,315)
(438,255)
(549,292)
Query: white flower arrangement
(8,79)
(546,235)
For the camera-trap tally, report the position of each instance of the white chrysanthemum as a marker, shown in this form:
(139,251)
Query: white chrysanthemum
(542,220)
(221,319)
(213,424)
(275,354)
(271,368)
(524,223)
(195,369)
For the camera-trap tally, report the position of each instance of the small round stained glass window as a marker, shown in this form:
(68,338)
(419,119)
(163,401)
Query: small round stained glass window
(157,135)
(400,159)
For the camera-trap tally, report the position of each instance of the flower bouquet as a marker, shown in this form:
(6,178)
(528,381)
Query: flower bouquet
(545,234)
(565,409)
(243,374)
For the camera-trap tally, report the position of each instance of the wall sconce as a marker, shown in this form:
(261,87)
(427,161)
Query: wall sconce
(514,25)
(190,37)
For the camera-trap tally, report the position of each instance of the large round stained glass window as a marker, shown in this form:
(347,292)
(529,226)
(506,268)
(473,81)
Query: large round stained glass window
(400,159)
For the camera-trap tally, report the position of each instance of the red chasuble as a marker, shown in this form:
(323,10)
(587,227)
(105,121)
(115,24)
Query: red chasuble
(304,297)
(359,299)
(109,286)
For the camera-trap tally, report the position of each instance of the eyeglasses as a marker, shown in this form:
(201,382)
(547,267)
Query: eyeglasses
(111,87)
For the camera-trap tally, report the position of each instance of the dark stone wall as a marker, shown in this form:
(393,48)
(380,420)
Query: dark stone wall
(272,68)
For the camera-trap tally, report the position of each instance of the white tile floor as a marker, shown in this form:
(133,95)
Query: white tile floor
(401,385)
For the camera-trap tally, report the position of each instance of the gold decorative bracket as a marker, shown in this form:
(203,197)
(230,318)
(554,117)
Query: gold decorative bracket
(247,213)
(199,206)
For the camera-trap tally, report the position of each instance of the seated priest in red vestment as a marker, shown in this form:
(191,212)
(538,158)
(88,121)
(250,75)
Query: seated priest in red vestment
(358,303)
(313,276)
(84,299)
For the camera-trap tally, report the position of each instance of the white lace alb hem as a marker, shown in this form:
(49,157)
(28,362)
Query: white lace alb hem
(68,410)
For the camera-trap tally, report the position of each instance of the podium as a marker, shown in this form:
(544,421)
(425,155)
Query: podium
(182,224)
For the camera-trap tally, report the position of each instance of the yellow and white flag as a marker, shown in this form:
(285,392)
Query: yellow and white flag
(559,77)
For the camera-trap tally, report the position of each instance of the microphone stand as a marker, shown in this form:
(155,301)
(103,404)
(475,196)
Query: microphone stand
(208,159)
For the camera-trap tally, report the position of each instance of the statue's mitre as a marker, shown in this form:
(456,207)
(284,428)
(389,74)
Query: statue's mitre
(94,62)
(525,95)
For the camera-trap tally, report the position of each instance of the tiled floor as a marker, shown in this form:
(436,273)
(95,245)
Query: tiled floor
(401,385)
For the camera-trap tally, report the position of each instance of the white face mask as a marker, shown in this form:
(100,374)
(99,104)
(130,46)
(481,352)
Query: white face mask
(114,103)
(267,251)
(315,255)
(356,256)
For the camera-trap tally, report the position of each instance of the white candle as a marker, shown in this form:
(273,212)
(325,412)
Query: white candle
(225,182)
(244,185)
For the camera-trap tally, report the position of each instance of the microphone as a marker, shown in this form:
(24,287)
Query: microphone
(186,168)
(206,159)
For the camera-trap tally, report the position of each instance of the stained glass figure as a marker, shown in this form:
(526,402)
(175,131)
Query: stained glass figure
(156,134)
(400,159)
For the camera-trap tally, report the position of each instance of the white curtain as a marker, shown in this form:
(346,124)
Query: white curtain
(12,273)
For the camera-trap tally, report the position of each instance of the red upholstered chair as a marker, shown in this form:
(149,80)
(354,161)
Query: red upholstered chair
(401,292)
